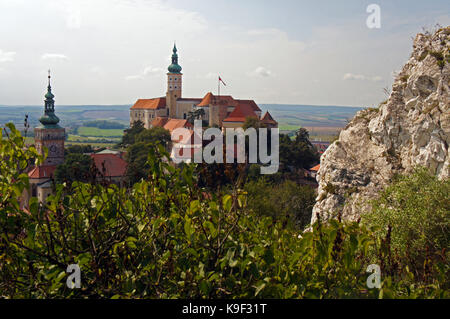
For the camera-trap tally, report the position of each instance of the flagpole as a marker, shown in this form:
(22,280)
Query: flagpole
(218,85)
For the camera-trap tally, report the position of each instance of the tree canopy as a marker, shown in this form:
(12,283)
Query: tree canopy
(141,144)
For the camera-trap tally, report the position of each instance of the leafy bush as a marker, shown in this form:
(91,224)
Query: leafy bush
(281,201)
(417,208)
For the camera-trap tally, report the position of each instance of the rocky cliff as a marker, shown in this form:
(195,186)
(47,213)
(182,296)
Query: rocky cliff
(412,128)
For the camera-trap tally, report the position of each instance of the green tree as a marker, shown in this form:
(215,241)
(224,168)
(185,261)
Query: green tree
(252,121)
(297,153)
(195,115)
(76,167)
(130,134)
(138,151)
(79,149)
(284,201)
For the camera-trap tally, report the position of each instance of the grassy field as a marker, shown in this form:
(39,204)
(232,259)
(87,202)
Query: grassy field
(96,132)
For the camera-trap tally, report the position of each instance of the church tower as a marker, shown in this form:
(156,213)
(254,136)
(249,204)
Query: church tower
(174,84)
(50,134)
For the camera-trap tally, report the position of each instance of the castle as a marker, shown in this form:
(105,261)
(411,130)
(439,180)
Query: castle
(172,111)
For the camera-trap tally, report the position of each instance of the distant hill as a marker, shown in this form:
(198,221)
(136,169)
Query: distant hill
(327,119)
(70,115)
(291,116)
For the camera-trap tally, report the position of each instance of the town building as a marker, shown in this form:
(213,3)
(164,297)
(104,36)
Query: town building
(216,110)
(110,165)
(52,136)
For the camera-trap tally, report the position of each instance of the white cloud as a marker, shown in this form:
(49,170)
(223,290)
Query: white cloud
(360,77)
(7,56)
(56,56)
(151,70)
(148,71)
(261,71)
(377,79)
(134,77)
(351,76)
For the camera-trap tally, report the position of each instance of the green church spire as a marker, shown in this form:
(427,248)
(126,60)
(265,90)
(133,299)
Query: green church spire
(49,119)
(175,67)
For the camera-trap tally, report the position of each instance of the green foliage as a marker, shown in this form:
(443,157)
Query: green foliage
(439,56)
(76,167)
(164,238)
(137,151)
(284,201)
(195,115)
(417,207)
(14,160)
(297,153)
(254,122)
(130,134)
(330,188)
(79,149)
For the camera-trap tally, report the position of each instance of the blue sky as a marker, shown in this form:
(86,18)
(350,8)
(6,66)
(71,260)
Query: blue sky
(286,51)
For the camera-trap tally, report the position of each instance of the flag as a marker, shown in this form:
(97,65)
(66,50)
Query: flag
(220,79)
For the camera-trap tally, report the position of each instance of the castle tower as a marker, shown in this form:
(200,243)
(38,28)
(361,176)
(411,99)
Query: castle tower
(174,84)
(50,134)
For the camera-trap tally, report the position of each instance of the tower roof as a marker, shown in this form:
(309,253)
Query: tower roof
(49,119)
(268,119)
(175,67)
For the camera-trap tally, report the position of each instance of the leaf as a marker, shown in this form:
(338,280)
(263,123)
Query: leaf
(227,203)
(188,229)
(259,288)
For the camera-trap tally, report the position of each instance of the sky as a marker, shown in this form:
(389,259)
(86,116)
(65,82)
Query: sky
(284,52)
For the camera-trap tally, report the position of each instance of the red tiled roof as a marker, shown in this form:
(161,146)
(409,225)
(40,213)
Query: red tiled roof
(189,140)
(159,121)
(215,100)
(114,165)
(315,168)
(154,104)
(268,119)
(42,172)
(252,103)
(240,113)
(173,124)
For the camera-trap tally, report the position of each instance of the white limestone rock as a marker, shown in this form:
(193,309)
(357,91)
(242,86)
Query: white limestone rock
(411,129)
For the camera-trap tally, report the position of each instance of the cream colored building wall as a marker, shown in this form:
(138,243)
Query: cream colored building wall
(183,108)
(232,124)
(146,116)
(43,193)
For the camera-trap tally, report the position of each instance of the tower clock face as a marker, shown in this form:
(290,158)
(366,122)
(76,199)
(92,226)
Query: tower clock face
(53,149)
